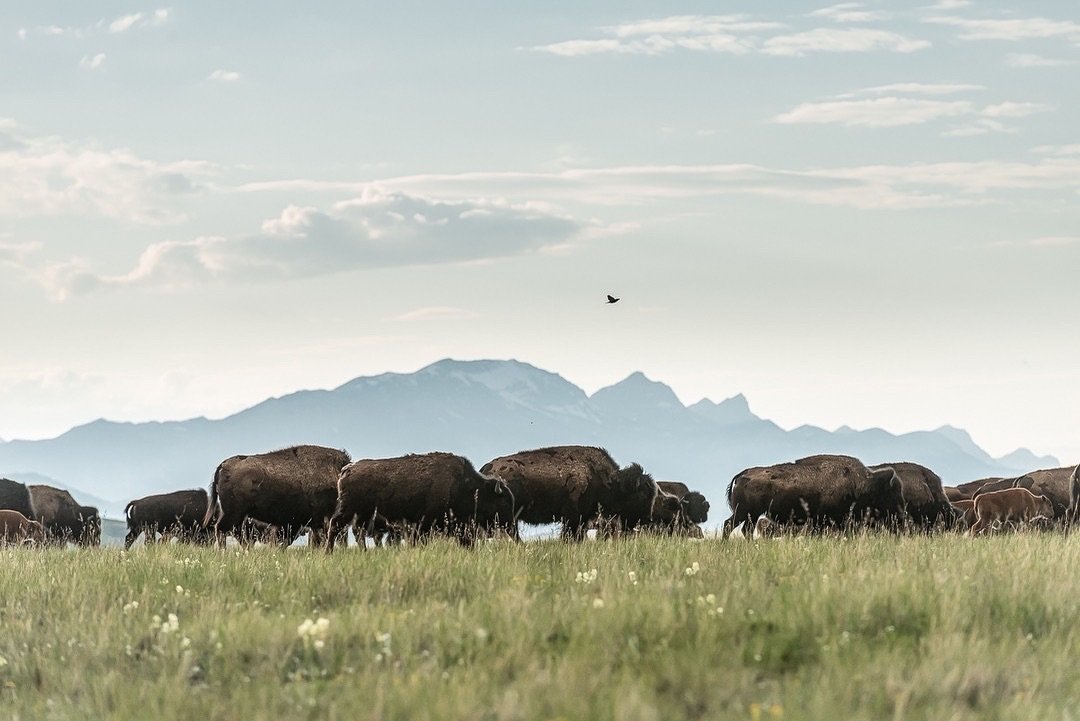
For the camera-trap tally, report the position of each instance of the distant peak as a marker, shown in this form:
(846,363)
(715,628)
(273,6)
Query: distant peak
(641,388)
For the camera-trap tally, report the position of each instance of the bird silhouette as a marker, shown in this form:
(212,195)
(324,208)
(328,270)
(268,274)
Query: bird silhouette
(612,299)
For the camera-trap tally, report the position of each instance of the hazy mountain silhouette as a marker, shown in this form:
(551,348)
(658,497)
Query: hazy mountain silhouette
(481,409)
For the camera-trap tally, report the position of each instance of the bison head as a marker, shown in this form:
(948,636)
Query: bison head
(1044,507)
(695,507)
(889,494)
(91,529)
(632,495)
(666,507)
(494,503)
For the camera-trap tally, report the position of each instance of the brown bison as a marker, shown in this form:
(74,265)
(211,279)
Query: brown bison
(966,509)
(17,528)
(575,486)
(1010,505)
(925,501)
(817,492)
(677,510)
(294,488)
(64,518)
(1055,484)
(178,515)
(15,496)
(421,493)
(695,507)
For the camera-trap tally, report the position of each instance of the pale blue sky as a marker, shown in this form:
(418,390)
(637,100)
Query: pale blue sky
(859,213)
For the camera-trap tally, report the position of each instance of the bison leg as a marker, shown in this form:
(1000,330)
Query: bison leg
(132,535)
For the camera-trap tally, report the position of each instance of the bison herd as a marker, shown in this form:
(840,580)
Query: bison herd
(276,496)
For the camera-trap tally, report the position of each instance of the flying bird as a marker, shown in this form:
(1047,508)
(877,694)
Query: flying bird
(612,299)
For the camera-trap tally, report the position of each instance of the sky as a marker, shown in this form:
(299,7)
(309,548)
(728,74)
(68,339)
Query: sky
(859,213)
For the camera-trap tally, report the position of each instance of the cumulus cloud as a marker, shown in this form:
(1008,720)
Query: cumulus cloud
(93,62)
(850,12)
(46,175)
(224,76)
(1011,29)
(139,19)
(379,229)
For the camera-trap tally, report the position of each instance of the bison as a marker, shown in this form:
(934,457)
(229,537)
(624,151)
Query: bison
(677,510)
(423,493)
(575,485)
(966,510)
(817,492)
(64,518)
(1009,505)
(178,514)
(1074,499)
(1055,484)
(15,496)
(17,528)
(293,488)
(925,501)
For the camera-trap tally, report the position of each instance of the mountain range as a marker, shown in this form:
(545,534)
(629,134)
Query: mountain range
(480,409)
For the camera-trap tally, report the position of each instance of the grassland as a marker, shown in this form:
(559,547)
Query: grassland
(805,628)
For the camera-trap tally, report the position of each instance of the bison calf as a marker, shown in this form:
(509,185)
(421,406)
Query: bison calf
(966,508)
(17,528)
(1011,504)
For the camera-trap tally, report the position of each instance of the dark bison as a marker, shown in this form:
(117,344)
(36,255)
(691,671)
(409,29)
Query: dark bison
(1055,484)
(17,528)
(1010,505)
(1074,499)
(178,515)
(925,501)
(420,493)
(815,492)
(15,496)
(575,485)
(677,510)
(64,518)
(293,489)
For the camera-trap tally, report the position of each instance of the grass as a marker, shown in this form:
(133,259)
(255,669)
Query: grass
(867,627)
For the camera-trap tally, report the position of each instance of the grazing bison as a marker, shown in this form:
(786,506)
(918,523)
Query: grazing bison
(293,489)
(969,489)
(575,485)
(695,507)
(816,492)
(17,528)
(15,496)
(178,514)
(1009,505)
(64,518)
(966,509)
(1074,499)
(1055,484)
(954,494)
(677,510)
(423,493)
(925,501)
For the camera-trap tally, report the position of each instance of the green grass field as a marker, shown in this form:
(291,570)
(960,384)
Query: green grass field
(869,627)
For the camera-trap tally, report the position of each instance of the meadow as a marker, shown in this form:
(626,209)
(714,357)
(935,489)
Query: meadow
(860,627)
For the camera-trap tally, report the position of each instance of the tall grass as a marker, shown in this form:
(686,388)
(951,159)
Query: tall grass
(866,627)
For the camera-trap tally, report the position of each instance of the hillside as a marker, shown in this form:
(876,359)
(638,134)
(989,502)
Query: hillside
(480,409)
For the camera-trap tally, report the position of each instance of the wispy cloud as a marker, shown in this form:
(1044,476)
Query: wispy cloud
(1015,110)
(875,113)
(850,12)
(93,62)
(377,230)
(46,175)
(951,4)
(1032,60)
(841,40)
(224,76)
(922,89)
(436,313)
(1012,29)
(139,19)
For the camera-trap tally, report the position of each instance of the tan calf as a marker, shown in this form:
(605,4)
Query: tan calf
(966,507)
(17,528)
(1011,504)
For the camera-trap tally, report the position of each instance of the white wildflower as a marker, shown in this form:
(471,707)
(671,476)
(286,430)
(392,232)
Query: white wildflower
(180,589)
(131,606)
(693,569)
(633,577)
(482,634)
(3,662)
(586,576)
(598,603)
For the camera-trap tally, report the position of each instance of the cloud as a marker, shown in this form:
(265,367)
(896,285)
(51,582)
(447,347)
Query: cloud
(436,313)
(47,175)
(16,253)
(849,40)
(922,89)
(21,33)
(1015,110)
(1058,150)
(982,126)
(93,62)
(850,12)
(224,76)
(126,22)
(1048,241)
(876,113)
(1031,60)
(379,229)
(1011,29)
(705,33)
(951,4)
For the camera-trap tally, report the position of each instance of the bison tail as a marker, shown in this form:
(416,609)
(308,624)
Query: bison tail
(731,487)
(213,508)
(127,510)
